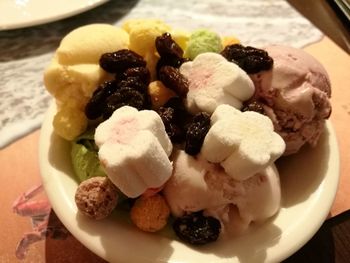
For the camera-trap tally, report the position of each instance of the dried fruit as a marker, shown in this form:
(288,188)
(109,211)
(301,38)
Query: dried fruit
(121,60)
(254,106)
(167,47)
(134,83)
(169,61)
(140,72)
(197,229)
(181,114)
(124,96)
(196,132)
(250,59)
(171,123)
(176,103)
(173,79)
(95,107)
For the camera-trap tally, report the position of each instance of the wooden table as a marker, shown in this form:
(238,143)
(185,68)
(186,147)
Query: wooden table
(20,170)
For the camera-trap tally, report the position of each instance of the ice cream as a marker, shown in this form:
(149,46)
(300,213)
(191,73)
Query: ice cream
(181,37)
(74,73)
(143,33)
(298,99)
(197,184)
(84,157)
(201,41)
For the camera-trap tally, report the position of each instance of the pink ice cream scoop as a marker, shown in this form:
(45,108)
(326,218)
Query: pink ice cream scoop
(295,95)
(197,184)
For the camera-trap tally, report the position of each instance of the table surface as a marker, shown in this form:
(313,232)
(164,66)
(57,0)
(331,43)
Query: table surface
(20,172)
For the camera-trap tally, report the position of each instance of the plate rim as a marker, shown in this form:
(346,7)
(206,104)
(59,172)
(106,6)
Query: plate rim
(78,8)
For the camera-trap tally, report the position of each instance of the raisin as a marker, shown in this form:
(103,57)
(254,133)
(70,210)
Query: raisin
(140,72)
(95,107)
(167,114)
(174,80)
(254,106)
(176,103)
(182,115)
(175,133)
(169,61)
(197,229)
(196,132)
(167,47)
(121,60)
(134,83)
(172,127)
(250,59)
(122,97)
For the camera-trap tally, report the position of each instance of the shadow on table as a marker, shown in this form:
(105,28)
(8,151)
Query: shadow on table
(61,246)
(33,41)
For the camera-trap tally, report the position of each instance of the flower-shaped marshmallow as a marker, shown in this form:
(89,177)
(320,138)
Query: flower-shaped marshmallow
(213,81)
(134,150)
(243,143)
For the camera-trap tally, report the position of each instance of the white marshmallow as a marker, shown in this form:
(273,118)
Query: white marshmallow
(213,81)
(243,143)
(134,150)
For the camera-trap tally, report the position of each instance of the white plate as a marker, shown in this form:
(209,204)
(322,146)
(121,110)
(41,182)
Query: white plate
(309,183)
(25,13)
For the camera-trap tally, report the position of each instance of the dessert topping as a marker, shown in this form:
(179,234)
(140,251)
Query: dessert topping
(151,213)
(96,197)
(214,81)
(134,150)
(250,59)
(121,60)
(197,229)
(242,142)
(196,132)
(174,80)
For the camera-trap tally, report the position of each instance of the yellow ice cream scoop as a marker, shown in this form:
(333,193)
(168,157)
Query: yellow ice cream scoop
(74,73)
(87,43)
(181,37)
(143,32)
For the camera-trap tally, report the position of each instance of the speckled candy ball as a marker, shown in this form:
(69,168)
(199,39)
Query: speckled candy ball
(96,197)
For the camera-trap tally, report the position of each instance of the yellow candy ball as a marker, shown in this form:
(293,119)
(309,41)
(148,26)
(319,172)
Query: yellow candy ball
(159,93)
(229,40)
